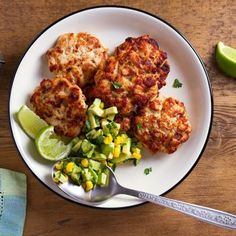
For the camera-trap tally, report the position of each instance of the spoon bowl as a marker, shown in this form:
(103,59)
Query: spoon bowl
(96,196)
(101,194)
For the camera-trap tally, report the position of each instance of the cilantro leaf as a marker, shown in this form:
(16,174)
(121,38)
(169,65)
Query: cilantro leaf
(147,171)
(177,84)
(116,85)
(139,126)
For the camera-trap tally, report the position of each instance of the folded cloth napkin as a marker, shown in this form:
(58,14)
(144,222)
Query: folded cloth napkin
(12,202)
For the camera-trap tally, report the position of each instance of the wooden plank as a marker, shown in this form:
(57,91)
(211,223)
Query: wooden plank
(211,183)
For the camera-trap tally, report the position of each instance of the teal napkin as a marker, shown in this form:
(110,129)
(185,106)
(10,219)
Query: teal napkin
(12,202)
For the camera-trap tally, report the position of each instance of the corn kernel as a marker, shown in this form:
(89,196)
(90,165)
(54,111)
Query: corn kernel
(59,165)
(102,105)
(136,155)
(88,185)
(116,152)
(124,136)
(84,163)
(119,140)
(69,167)
(137,150)
(108,139)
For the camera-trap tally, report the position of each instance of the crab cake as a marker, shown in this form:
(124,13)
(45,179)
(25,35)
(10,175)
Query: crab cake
(76,57)
(61,104)
(132,76)
(162,125)
(145,56)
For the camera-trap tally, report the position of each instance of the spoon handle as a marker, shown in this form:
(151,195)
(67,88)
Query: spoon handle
(219,218)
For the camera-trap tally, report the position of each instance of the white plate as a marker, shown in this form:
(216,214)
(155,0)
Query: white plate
(112,25)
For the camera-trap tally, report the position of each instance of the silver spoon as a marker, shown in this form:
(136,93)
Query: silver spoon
(101,194)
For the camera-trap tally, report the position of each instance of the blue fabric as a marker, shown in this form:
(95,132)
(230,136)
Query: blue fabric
(12,202)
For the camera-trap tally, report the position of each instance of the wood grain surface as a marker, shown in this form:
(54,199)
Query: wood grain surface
(211,183)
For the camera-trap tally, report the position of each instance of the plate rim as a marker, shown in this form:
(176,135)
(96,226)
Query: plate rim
(149,14)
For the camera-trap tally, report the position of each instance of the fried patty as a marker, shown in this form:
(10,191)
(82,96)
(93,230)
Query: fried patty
(132,76)
(76,57)
(61,104)
(163,125)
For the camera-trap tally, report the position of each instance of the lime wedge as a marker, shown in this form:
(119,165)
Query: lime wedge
(50,146)
(226,59)
(29,121)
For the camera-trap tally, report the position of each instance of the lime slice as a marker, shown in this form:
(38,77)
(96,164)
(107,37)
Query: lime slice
(50,146)
(29,121)
(226,59)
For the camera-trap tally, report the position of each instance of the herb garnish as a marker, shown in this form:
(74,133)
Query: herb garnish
(177,84)
(139,126)
(87,125)
(147,171)
(116,85)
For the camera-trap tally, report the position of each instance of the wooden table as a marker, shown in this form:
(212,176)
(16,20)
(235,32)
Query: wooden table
(212,182)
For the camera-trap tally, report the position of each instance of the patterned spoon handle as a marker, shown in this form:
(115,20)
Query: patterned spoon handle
(219,218)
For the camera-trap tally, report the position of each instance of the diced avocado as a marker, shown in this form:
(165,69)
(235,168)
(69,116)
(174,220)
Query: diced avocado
(86,174)
(107,148)
(90,153)
(106,130)
(74,141)
(87,126)
(92,120)
(102,179)
(60,177)
(91,134)
(95,165)
(110,156)
(113,125)
(97,119)
(96,110)
(104,122)
(77,146)
(97,134)
(99,156)
(127,146)
(111,117)
(122,158)
(111,111)
(94,174)
(111,128)
(76,169)
(76,178)
(97,102)
(99,139)
(86,146)
(114,132)
(117,125)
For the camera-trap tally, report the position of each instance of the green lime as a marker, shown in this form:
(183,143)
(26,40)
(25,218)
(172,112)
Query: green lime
(29,121)
(226,59)
(50,146)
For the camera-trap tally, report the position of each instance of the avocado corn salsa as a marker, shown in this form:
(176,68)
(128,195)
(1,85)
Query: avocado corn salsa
(101,141)
(85,172)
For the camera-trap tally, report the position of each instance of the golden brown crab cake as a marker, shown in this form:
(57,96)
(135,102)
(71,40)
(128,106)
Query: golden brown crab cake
(131,77)
(61,104)
(76,57)
(143,55)
(163,125)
